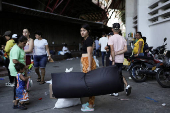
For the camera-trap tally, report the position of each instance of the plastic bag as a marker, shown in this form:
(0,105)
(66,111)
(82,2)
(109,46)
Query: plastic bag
(67,102)
(97,61)
(29,84)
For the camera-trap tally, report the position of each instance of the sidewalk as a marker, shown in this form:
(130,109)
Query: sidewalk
(137,103)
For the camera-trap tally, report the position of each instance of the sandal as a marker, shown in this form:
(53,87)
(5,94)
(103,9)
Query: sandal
(42,82)
(39,79)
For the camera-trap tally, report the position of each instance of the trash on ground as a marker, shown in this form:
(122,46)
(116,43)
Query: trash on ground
(151,99)
(50,81)
(69,70)
(40,99)
(67,102)
(46,93)
(130,78)
(122,99)
(1,78)
(163,104)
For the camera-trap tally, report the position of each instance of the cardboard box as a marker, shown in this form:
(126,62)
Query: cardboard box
(51,92)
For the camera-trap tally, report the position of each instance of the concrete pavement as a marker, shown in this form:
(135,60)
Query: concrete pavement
(141,99)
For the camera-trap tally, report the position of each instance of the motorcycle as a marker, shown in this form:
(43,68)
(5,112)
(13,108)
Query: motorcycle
(163,74)
(143,66)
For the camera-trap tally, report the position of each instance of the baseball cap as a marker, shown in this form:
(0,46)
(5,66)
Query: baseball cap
(111,33)
(14,36)
(7,33)
(116,26)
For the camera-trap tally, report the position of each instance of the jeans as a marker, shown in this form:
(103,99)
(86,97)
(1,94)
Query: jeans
(96,52)
(141,54)
(40,61)
(103,55)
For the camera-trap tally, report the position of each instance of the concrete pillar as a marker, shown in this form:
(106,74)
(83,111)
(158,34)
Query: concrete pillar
(129,14)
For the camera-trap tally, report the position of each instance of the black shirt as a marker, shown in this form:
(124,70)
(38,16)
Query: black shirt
(87,43)
(108,52)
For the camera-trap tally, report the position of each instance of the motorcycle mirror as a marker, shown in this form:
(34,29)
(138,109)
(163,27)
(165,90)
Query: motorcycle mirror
(165,39)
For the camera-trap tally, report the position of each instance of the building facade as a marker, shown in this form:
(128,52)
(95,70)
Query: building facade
(151,17)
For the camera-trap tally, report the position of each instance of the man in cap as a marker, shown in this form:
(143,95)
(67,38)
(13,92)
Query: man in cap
(9,44)
(118,47)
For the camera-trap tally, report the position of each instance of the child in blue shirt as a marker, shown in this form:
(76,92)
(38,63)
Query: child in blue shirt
(21,94)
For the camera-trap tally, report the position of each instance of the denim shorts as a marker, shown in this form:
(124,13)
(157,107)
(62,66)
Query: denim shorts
(40,61)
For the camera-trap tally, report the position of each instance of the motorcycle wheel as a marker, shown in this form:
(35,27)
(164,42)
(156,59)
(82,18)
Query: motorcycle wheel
(135,75)
(163,79)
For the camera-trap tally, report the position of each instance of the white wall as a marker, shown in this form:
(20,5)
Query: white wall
(154,33)
(129,14)
(143,23)
(158,33)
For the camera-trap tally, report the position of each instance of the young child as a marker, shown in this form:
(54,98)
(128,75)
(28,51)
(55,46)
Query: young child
(21,94)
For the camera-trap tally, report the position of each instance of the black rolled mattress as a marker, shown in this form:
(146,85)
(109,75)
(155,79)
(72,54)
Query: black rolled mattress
(100,81)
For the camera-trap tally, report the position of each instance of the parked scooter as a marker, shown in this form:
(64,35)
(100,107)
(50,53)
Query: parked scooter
(163,74)
(143,66)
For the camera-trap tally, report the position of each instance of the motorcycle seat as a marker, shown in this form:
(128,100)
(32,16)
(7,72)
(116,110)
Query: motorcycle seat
(143,57)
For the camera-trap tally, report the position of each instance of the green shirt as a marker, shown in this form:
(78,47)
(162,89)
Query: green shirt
(18,54)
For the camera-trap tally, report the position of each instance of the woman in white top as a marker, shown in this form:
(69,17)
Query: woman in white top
(40,56)
(29,46)
(66,52)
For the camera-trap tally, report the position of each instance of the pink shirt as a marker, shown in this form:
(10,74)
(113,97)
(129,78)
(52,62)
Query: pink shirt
(118,42)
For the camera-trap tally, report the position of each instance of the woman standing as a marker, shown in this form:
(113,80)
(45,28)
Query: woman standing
(29,46)
(87,61)
(40,55)
(139,45)
(17,55)
(9,44)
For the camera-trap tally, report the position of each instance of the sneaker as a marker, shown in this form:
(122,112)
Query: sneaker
(84,105)
(128,90)
(87,109)
(15,107)
(10,84)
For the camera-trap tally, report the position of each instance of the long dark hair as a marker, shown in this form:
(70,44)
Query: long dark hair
(87,27)
(139,34)
(28,31)
(144,39)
